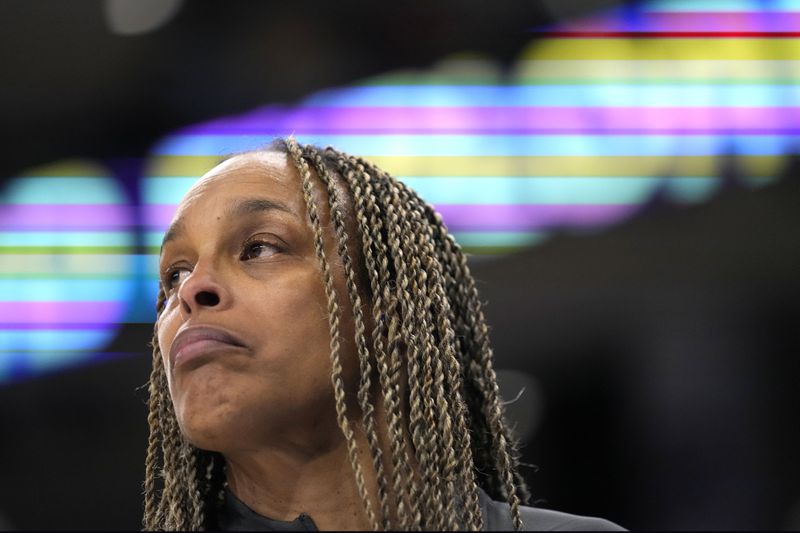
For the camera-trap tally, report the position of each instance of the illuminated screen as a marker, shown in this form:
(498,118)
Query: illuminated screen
(596,117)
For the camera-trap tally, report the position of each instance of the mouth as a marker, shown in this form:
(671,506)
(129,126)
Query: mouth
(196,341)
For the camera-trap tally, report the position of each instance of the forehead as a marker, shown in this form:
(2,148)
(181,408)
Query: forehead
(248,178)
(259,174)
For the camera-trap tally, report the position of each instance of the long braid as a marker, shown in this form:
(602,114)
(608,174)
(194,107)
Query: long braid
(196,511)
(174,488)
(443,511)
(367,409)
(154,471)
(152,459)
(448,348)
(411,327)
(499,449)
(473,383)
(381,218)
(503,447)
(403,485)
(433,333)
(333,315)
(423,248)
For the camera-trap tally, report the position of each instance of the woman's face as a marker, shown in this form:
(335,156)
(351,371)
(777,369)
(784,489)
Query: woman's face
(244,333)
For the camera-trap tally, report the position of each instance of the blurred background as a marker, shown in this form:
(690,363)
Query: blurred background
(623,174)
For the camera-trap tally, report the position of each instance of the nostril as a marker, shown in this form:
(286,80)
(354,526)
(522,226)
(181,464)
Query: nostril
(207,299)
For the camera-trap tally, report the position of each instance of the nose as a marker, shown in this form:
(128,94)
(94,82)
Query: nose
(202,290)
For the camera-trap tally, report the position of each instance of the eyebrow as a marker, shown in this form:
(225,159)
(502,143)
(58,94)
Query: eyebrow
(250,206)
(174,230)
(238,209)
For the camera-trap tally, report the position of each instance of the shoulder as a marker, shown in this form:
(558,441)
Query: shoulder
(497,517)
(535,519)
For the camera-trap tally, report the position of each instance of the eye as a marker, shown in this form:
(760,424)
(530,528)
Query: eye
(174,276)
(255,249)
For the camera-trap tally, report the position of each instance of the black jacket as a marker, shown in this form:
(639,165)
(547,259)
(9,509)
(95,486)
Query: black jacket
(236,516)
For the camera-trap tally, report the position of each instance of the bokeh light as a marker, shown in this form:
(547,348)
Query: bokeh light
(66,241)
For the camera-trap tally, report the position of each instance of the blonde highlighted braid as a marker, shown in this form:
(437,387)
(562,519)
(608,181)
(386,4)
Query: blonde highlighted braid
(428,345)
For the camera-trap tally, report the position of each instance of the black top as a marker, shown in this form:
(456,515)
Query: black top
(236,516)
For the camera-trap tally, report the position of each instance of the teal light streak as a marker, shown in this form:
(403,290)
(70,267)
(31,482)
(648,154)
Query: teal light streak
(584,95)
(752,6)
(500,145)
(55,339)
(499,238)
(62,190)
(42,360)
(166,190)
(494,190)
(65,290)
(66,238)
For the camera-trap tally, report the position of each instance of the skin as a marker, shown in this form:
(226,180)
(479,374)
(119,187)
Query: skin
(268,407)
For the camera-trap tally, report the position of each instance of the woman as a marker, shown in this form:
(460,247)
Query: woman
(321,360)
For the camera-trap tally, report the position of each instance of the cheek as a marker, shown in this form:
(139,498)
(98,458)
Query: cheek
(167,328)
(296,335)
(293,321)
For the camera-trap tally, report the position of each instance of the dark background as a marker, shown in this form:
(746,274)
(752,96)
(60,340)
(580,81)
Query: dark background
(660,355)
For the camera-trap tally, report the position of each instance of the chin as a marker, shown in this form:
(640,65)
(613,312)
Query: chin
(207,414)
(210,430)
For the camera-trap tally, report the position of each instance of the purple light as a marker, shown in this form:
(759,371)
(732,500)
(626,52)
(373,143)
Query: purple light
(61,312)
(507,120)
(65,217)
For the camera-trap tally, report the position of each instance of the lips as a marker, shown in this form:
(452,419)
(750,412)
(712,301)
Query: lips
(196,341)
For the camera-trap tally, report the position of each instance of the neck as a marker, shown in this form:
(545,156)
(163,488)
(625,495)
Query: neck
(282,482)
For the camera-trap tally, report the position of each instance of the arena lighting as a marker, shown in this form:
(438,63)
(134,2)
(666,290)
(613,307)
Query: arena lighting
(596,117)
(67,270)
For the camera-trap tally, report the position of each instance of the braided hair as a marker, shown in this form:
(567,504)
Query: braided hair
(421,332)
